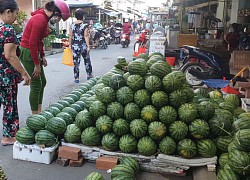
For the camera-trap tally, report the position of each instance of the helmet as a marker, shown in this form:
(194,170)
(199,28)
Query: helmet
(64,8)
(126,20)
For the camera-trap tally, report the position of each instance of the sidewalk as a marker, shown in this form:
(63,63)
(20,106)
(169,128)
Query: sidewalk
(53,51)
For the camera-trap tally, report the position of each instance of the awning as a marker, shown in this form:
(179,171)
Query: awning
(78,4)
(112,13)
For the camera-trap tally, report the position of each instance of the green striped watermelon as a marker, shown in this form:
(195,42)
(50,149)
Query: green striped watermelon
(215,94)
(220,127)
(146,146)
(128,143)
(242,123)
(232,98)
(135,82)
(167,146)
(121,170)
(91,136)
(177,98)
(110,142)
(160,69)
(206,148)
(70,111)
(173,81)
(66,117)
(157,130)
(84,119)
(36,122)
(70,100)
(117,81)
(46,114)
(149,113)
(57,105)
(202,92)
(239,162)
(138,128)
(94,176)
(206,110)
(137,67)
(223,159)
(243,139)
(64,103)
(130,161)
(178,130)
(222,143)
(126,75)
(142,98)
(53,110)
(132,111)
(188,112)
(106,77)
(72,134)
(115,110)
(45,138)
(104,124)
(56,125)
(159,99)
(76,107)
(187,148)
(97,109)
(153,83)
(125,95)
(199,129)
(167,115)
(227,106)
(106,95)
(120,127)
(73,96)
(226,174)
(25,136)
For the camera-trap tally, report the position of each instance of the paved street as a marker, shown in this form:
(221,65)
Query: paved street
(60,82)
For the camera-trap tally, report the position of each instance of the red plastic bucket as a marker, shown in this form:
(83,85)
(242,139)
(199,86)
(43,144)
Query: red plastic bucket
(170,61)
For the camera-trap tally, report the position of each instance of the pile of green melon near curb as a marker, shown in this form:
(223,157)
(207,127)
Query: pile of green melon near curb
(125,170)
(46,128)
(2,174)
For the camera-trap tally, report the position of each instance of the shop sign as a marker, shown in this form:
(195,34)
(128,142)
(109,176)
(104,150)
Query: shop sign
(157,44)
(244,12)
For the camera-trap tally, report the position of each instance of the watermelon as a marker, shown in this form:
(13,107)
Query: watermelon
(227,106)
(45,138)
(77,92)
(160,69)
(159,99)
(157,130)
(137,67)
(66,117)
(138,128)
(149,113)
(36,122)
(201,92)
(222,143)
(206,110)
(125,95)
(56,125)
(72,134)
(224,114)
(167,146)
(84,119)
(187,148)
(120,127)
(238,111)
(189,93)
(199,129)
(98,87)
(146,146)
(76,107)
(142,98)
(57,105)
(143,56)
(135,82)
(232,98)
(121,60)
(153,83)
(132,111)
(72,112)
(242,123)
(70,100)
(104,124)
(90,100)
(122,170)
(94,176)
(53,110)
(244,115)
(46,114)
(91,136)
(223,159)
(206,148)
(173,81)
(106,95)
(178,130)
(167,115)
(25,136)
(106,77)
(243,139)
(215,94)
(117,81)
(130,161)
(226,174)
(126,75)
(220,127)
(188,112)
(177,98)
(128,143)
(97,109)
(115,110)
(64,103)
(110,142)
(73,96)
(239,162)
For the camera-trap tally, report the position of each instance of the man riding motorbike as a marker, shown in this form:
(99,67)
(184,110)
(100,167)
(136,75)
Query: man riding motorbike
(126,27)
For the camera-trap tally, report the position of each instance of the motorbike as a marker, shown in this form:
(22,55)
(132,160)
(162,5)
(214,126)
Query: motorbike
(117,35)
(108,36)
(200,64)
(125,40)
(142,40)
(100,39)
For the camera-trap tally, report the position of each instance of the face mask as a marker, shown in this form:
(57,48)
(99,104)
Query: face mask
(231,30)
(54,20)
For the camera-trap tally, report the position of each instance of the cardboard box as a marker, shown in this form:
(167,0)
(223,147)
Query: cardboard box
(69,153)
(106,163)
(187,39)
(241,59)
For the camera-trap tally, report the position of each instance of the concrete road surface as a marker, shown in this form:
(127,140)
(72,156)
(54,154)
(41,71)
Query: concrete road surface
(60,82)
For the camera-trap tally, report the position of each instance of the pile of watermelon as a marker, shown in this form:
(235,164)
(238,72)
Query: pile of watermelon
(145,107)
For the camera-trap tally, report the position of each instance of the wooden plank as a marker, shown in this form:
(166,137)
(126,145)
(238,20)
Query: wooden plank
(203,173)
(243,84)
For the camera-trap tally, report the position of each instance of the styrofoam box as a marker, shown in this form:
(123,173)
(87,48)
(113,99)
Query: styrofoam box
(34,153)
(245,104)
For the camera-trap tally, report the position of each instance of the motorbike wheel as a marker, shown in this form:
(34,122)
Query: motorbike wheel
(123,45)
(192,80)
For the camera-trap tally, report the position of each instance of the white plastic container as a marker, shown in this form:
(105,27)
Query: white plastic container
(245,104)
(34,153)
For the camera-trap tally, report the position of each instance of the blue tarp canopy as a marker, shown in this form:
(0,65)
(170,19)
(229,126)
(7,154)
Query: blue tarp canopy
(78,4)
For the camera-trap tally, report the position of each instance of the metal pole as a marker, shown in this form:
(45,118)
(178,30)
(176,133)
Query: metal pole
(99,17)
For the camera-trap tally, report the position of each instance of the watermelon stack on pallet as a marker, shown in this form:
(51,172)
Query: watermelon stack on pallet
(145,107)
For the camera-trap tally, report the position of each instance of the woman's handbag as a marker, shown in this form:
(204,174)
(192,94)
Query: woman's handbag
(67,57)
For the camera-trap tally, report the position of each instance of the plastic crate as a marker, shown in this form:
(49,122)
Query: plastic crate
(245,104)
(34,153)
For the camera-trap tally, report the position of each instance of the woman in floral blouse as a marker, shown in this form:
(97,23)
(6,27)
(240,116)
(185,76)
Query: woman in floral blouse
(11,70)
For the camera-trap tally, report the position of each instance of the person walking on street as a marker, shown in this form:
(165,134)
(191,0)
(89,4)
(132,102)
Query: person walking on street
(12,71)
(79,43)
(32,53)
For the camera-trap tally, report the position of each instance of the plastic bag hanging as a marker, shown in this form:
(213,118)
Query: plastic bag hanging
(67,57)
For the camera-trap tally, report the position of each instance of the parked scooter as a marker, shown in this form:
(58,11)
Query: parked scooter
(142,40)
(199,64)
(100,39)
(117,35)
(125,40)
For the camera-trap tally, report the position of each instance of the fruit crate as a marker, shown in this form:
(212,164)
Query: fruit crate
(245,104)
(34,153)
